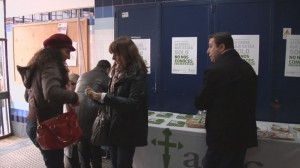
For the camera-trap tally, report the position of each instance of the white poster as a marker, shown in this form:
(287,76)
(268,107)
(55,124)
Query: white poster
(248,48)
(292,56)
(73,56)
(184,55)
(144,49)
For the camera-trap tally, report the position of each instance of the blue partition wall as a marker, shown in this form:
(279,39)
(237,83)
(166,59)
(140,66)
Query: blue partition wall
(284,89)
(278,96)
(183,19)
(144,22)
(251,18)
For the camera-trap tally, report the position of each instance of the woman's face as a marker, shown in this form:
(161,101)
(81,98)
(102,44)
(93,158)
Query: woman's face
(65,53)
(119,60)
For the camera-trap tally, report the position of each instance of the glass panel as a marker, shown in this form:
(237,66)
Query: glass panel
(5,127)
(2,20)
(3,83)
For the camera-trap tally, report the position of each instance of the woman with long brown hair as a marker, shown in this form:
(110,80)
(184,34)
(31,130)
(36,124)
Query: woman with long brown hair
(126,101)
(45,78)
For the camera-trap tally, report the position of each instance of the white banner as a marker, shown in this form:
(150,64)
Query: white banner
(184,147)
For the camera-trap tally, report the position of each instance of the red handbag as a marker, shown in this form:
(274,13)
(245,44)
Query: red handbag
(58,132)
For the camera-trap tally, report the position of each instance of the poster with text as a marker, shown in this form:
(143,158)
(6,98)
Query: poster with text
(184,55)
(144,49)
(248,48)
(292,56)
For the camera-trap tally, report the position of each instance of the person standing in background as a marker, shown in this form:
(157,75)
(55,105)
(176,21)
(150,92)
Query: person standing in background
(126,101)
(228,94)
(45,78)
(98,79)
(71,159)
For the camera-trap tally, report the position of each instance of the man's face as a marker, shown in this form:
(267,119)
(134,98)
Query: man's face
(213,50)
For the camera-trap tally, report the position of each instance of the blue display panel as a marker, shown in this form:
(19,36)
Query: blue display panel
(278,96)
(251,18)
(183,19)
(143,21)
(286,90)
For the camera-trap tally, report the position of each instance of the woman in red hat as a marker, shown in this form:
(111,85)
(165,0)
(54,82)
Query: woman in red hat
(45,78)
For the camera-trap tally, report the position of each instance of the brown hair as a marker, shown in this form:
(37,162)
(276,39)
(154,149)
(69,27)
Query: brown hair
(130,59)
(50,55)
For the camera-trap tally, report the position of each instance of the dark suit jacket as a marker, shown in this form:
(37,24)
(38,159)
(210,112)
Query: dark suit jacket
(98,79)
(229,96)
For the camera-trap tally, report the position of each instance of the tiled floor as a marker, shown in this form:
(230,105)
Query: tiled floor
(18,152)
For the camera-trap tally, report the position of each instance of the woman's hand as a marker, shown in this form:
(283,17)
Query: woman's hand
(92,94)
(88,91)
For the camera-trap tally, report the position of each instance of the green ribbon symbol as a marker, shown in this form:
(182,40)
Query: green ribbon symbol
(167,144)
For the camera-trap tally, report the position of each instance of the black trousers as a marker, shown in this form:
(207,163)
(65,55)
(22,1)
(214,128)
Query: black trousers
(89,155)
(122,157)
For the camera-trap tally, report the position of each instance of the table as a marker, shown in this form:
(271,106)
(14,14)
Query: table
(184,147)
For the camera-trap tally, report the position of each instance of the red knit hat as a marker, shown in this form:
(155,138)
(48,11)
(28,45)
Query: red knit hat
(59,41)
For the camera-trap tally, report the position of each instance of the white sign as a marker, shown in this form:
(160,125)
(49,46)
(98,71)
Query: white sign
(286,32)
(73,56)
(144,49)
(184,55)
(292,56)
(62,28)
(248,48)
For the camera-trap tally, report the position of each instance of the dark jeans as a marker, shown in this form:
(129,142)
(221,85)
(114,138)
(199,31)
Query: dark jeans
(89,154)
(52,158)
(228,159)
(122,157)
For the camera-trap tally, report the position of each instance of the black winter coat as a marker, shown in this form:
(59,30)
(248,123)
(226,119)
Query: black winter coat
(229,96)
(129,111)
(98,79)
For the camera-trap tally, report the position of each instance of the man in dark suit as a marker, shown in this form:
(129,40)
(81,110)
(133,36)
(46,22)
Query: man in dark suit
(228,94)
(98,79)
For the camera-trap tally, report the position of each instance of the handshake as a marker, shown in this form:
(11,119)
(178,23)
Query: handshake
(92,94)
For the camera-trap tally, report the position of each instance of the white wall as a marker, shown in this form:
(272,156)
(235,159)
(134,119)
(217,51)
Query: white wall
(16,8)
